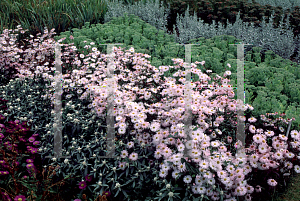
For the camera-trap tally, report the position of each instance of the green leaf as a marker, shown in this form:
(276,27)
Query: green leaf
(52,191)
(184,199)
(117,192)
(121,175)
(178,189)
(125,193)
(67,176)
(196,199)
(170,162)
(127,170)
(141,177)
(127,182)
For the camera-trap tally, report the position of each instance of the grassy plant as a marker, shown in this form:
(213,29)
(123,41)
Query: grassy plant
(62,15)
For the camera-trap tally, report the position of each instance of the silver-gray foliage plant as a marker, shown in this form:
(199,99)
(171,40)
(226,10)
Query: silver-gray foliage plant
(150,12)
(267,37)
(279,40)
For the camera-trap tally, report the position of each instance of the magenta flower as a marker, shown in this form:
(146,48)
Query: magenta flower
(5,166)
(30,165)
(6,196)
(82,185)
(107,193)
(1,135)
(31,139)
(4,173)
(33,150)
(29,161)
(88,178)
(20,198)
(36,142)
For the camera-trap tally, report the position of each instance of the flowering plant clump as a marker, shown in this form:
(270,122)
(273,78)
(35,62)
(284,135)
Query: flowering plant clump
(26,160)
(153,113)
(19,144)
(10,132)
(211,161)
(31,111)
